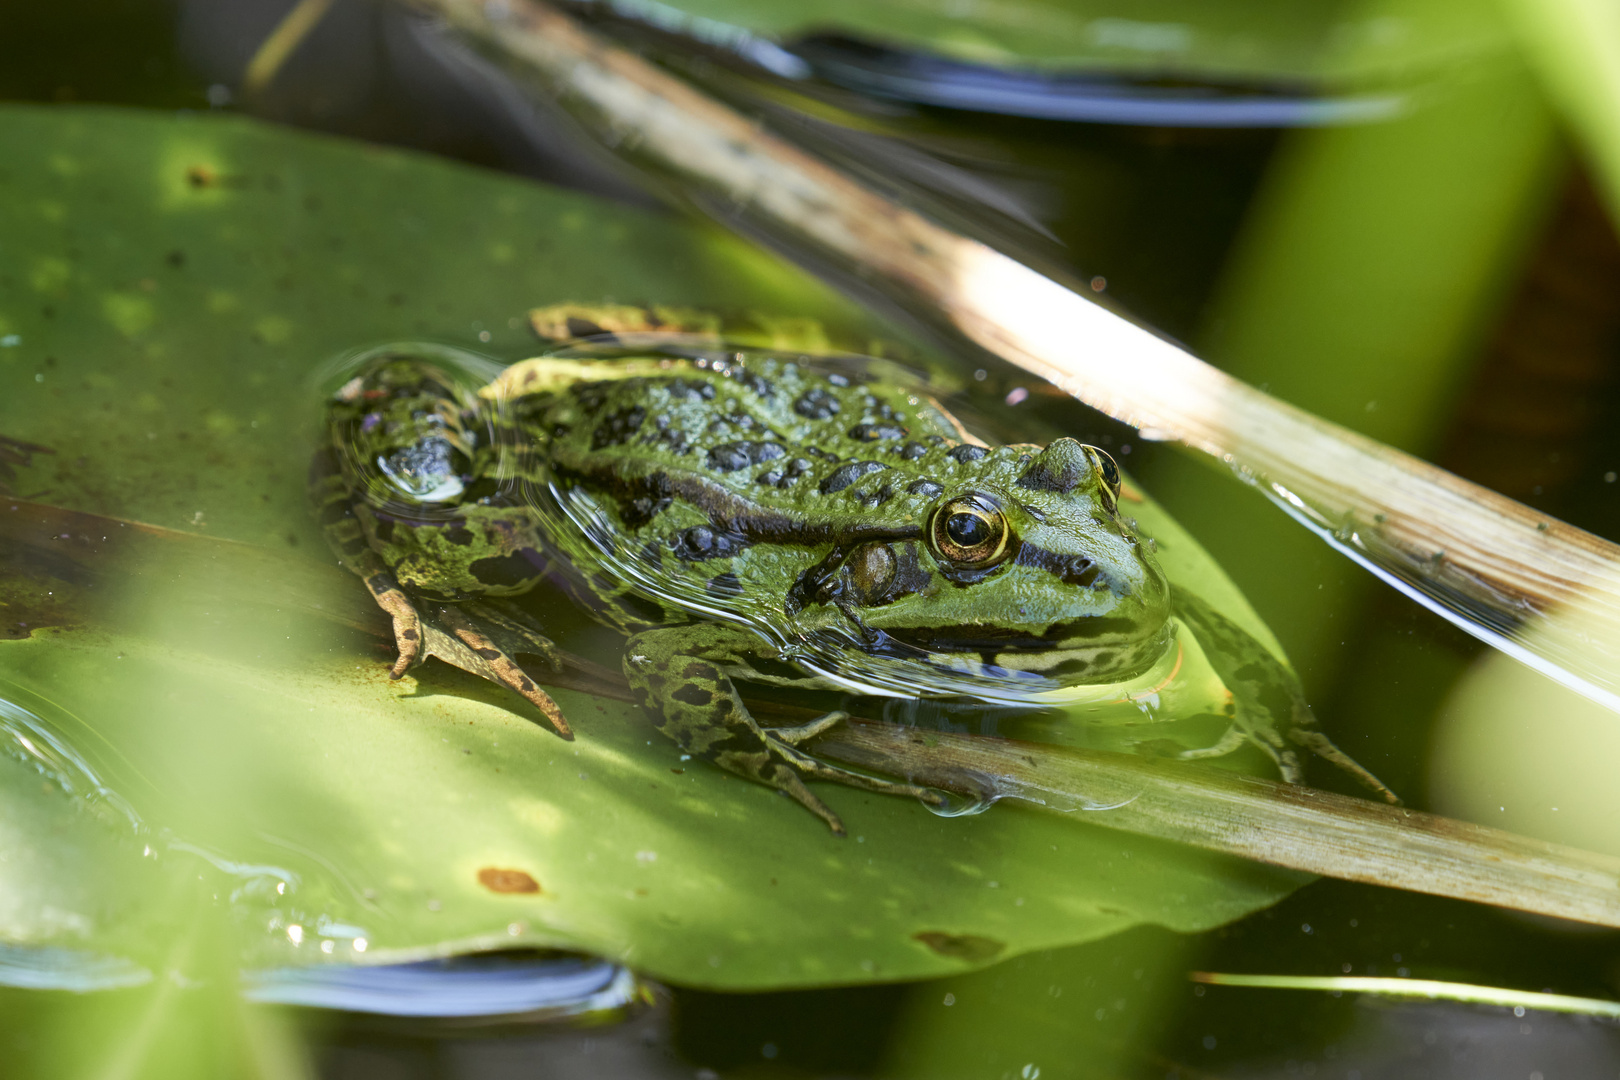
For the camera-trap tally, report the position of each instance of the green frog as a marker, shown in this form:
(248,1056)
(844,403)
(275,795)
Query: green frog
(761,516)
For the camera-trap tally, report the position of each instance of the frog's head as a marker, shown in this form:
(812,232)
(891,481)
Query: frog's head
(1029,566)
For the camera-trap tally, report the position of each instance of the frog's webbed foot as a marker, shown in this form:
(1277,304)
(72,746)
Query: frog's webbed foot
(482,640)
(816,769)
(786,741)
(1322,746)
(1237,737)
(677,677)
(1267,706)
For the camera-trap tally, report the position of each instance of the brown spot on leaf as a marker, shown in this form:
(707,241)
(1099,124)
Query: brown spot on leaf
(968,947)
(497,880)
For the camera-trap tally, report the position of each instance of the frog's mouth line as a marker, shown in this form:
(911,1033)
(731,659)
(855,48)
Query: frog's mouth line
(1089,632)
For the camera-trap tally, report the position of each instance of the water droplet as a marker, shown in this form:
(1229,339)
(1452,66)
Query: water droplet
(957,805)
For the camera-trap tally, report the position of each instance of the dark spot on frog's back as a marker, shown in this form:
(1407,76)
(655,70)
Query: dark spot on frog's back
(690,390)
(583,328)
(759,384)
(729,457)
(724,587)
(640,511)
(590,396)
(617,427)
(912,451)
(693,695)
(926,488)
(458,534)
(967,453)
(704,542)
(698,671)
(508,571)
(876,432)
(816,404)
(845,475)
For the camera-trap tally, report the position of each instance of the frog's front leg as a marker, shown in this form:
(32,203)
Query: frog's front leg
(678,674)
(1268,706)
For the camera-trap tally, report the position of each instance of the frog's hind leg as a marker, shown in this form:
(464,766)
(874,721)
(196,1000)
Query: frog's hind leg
(677,675)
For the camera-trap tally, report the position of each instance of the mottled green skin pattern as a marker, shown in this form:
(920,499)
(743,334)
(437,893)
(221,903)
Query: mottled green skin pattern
(748,517)
(773,490)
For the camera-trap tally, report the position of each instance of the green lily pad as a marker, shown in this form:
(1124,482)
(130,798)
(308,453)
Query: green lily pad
(214,716)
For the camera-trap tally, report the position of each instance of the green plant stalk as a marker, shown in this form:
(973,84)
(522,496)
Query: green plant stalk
(1433,989)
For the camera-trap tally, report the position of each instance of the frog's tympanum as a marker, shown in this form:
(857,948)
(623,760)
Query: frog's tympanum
(759,517)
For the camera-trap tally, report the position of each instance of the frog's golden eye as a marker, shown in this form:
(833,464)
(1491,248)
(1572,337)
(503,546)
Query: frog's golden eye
(1106,468)
(971,531)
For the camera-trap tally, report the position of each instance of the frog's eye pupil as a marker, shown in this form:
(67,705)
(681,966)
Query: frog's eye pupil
(1106,468)
(970,531)
(1110,471)
(967,530)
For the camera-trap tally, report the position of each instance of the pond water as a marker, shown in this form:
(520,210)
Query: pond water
(208,777)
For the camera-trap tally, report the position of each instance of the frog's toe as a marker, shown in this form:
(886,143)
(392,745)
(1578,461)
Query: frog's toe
(1230,742)
(815,769)
(407,628)
(786,779)
(800,733)
(1322,746)
(494,663)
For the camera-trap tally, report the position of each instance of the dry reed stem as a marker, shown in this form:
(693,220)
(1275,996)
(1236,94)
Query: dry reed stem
(1282,824)
(1533,586)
